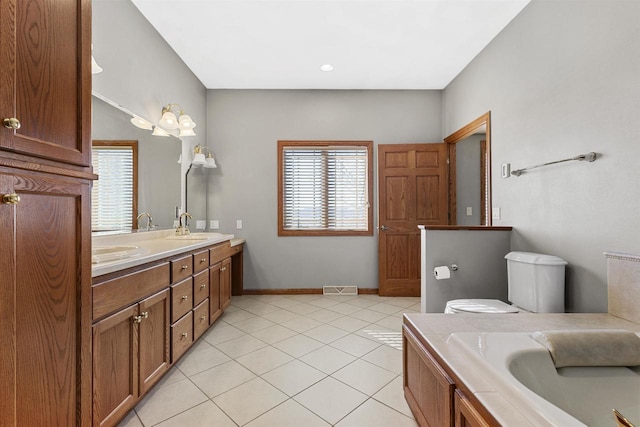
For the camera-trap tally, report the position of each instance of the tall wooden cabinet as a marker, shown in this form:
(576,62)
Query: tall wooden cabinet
(45,224)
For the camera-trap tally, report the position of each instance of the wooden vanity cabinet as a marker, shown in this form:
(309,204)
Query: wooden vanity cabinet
(130,354)
(466,415)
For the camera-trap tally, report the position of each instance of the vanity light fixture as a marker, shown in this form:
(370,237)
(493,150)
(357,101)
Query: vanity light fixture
(199,158)
(170,120)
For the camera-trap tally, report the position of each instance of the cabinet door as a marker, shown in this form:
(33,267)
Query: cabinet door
(225,284)
(215,309)
(46,78)
(427,387)
(154,339)
(466,414)
(115,366)
(45,301)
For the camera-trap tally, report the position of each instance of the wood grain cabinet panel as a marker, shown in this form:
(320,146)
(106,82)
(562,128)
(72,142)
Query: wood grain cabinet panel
(200,261)
(200,287)
(154,339)
(181,268)
(225,284)
(466,414)
(181,336)
(200,319)
(181,299)
(215,309)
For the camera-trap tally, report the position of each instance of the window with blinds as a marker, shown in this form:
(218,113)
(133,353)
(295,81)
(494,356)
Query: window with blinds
(324,188)
(113,196)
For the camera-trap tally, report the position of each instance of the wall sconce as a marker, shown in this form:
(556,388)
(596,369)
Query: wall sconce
(199,158)
(169,121)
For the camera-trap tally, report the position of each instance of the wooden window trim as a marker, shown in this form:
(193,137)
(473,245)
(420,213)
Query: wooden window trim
(285,144)
(134,148)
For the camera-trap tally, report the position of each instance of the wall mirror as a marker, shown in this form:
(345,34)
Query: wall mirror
(159,174)
(470,173)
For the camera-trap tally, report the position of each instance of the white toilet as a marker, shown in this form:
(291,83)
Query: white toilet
(536,284)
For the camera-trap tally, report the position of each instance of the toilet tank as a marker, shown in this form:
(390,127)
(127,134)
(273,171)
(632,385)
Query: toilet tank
(536,281)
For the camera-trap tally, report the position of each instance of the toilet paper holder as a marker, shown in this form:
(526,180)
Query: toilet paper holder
(454,267)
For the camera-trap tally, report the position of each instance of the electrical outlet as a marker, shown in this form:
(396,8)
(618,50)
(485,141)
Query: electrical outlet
(495,213)
(469,211)
(506,170)
(239,224)
(201,224)
(215,224)
(176,223)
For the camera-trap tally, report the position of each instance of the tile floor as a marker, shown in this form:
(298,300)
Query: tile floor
(294,360)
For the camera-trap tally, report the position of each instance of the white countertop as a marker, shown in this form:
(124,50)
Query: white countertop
(508,409)
(155,244)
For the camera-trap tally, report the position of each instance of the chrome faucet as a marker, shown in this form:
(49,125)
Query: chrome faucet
(150,225)
(183,230)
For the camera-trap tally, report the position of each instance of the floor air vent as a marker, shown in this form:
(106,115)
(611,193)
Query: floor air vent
(340,290)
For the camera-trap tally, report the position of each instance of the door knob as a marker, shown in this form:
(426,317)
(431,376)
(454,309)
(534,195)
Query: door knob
(11,199)
(11,123)
(384,228)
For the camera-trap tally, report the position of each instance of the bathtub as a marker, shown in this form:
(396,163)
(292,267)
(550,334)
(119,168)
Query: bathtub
(518,366)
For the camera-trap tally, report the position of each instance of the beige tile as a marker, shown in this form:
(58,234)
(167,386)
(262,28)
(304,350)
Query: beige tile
(403,302)
(301,324)
(392,322)
(221,332)
(355,345)
(330,399)
(381,335)
(324,315)
(165,402)
(326,333)
(280,316)
(328,359)
(285,302)
(131,420)
(364,376)
(173,376)
(222,378)
(201,359)
(344,308)
(392,395)
(262,309)
(204,415)
(261,395)
(274,334)
(374,414)
(236,316)
(363,302)
(325,302)
(288,414)
(349,324)
(386,357)
(264,360)
(385,308)
(298,345)
(293,377)
(253,324)
(369,315)
(240,346)
(303,308)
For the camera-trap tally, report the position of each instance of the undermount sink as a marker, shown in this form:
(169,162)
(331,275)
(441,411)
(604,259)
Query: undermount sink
(102,254)
(195,236)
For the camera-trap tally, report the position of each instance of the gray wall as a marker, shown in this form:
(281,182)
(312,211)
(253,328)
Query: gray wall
(563,78)
(468,179)
(482,269)
(142,72)
(244,127)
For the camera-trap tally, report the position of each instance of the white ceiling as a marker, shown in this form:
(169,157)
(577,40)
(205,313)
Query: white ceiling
(372,44)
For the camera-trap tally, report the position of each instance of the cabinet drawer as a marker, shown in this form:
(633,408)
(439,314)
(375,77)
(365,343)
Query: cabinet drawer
(218,253)
(114,294)
(235,249)
(200,287)
(200,261)
(200,319)
(181,299)
(181,336)
(181,268)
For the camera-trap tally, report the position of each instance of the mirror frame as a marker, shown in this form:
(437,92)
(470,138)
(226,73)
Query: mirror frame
(451,141)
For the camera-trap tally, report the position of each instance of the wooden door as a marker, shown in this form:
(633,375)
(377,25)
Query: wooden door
(45,52)
(215,309)
(225,284)
(154,339)
(412,191)
(115,366)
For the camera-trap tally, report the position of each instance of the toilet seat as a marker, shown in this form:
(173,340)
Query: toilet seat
(492,306)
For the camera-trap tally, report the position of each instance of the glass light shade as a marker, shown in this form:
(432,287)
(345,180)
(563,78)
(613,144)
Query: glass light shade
(187,132)
(141,123)
(211,163)
(95,68)
(180,159)
(168,121)
(158,131)
(199,160)
(185,122)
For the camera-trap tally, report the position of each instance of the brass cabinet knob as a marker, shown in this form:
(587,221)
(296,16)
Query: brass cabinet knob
(144,314)
(184,335)
(203,317)
(11,199)
(11,123)
(204,285)
(137,319)
(185,297)
(184,267)
(203,260)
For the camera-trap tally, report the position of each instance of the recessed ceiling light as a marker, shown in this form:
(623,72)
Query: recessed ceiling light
(326,67)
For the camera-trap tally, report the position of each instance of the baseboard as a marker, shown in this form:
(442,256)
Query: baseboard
(301,291)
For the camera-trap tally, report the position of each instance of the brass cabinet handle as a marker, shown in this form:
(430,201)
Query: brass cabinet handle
(223,268)
(11,199)
(137,319)
(185,297)
(144,314)
(184,267)
(204,285)
(185,334)
(203,259)
(11,123)
(203,318)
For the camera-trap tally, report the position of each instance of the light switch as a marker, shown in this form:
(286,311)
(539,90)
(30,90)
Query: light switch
(469,211)
(215,224)
(239,224)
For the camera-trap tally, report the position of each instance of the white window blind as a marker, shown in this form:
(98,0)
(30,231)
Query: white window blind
(325,188)
(112,194)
